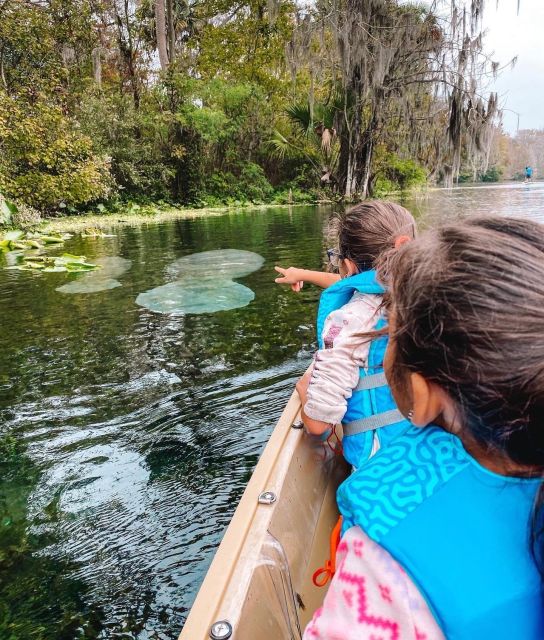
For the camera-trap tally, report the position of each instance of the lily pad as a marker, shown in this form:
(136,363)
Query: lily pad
(196,295)
(223,263)
(111,267)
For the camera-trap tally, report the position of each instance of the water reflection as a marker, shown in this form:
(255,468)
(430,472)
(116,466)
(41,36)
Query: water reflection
(512,199)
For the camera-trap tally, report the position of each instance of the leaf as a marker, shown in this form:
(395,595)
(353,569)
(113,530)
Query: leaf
(300,114)
(55,269)
(7,209)
(71,256)
(13,235)
(78,268)
(52,239)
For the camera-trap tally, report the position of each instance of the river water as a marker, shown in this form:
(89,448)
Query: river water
(127,436)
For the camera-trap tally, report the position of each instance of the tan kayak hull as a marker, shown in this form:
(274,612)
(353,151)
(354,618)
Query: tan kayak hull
(260,578)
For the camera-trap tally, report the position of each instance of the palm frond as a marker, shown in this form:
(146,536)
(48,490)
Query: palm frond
(300,115)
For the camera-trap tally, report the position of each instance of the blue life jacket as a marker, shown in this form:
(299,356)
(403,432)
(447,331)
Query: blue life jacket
(459,530)
(371,405)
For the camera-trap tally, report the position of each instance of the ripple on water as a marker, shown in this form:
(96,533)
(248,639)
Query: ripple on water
(135,497)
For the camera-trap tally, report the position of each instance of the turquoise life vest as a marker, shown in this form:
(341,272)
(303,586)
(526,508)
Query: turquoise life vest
(459,530)
(371,405)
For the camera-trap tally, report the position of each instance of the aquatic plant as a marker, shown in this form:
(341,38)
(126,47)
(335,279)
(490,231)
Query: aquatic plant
(20,240)
(54,264)
(7,210)
(93,232)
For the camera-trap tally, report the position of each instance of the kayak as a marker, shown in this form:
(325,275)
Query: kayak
(259,584)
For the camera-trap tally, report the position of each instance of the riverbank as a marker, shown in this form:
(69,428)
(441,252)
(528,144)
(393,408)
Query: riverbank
(141,216)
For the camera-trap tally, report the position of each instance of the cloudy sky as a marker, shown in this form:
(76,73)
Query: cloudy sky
(509,35)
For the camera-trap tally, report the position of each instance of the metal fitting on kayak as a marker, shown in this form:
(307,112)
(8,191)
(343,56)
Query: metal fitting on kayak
(267,497)
(221,630)
(298,424)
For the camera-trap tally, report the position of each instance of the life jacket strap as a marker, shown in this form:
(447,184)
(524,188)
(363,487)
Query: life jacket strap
(371,382)
(371,423)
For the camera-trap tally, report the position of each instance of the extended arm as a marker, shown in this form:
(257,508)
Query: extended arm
(296,277)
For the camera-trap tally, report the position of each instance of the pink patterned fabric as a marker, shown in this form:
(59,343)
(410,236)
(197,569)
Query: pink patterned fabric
(371,598)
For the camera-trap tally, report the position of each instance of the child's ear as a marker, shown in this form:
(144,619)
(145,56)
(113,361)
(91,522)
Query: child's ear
(350,266)
(427,400)
(400,240)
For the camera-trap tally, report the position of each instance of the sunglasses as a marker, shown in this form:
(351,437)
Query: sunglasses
(334,257)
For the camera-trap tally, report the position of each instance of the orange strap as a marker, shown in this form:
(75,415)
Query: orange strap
(324,574)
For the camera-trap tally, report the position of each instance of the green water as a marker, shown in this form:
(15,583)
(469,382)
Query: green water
(127,436)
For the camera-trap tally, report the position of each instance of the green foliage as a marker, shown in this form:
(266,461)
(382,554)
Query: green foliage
(396,174)
(405,173)
(86,120)
(45,160)
(137,141)
(493,174)
(250,185)
(7,210)
(383,187)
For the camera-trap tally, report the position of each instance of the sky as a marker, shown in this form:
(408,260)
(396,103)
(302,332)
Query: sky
(509,34)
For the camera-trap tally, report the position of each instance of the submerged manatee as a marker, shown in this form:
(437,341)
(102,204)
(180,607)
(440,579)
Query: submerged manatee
(223,263)
(195,295)
(111,267)
(204,283)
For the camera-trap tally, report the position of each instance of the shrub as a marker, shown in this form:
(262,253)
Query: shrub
(45,160)
(493,174)
(405,173)
(250,185)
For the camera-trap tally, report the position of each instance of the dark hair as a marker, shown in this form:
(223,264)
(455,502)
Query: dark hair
(368,230)
(468,300)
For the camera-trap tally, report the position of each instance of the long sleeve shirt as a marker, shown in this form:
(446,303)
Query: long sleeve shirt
(335,370)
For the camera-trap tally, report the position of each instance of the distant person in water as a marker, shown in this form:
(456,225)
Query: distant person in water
(528,174)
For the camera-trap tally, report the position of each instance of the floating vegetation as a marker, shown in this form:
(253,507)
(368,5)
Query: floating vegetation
(55,264)
(204,283)
(111,268)
(20,241)
(94,232)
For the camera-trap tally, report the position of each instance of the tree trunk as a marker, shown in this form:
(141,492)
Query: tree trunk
(356,154)
(170,30)
(160,22)
(97,66)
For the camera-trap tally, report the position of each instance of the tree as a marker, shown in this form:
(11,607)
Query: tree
(160,22)
(396,66)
